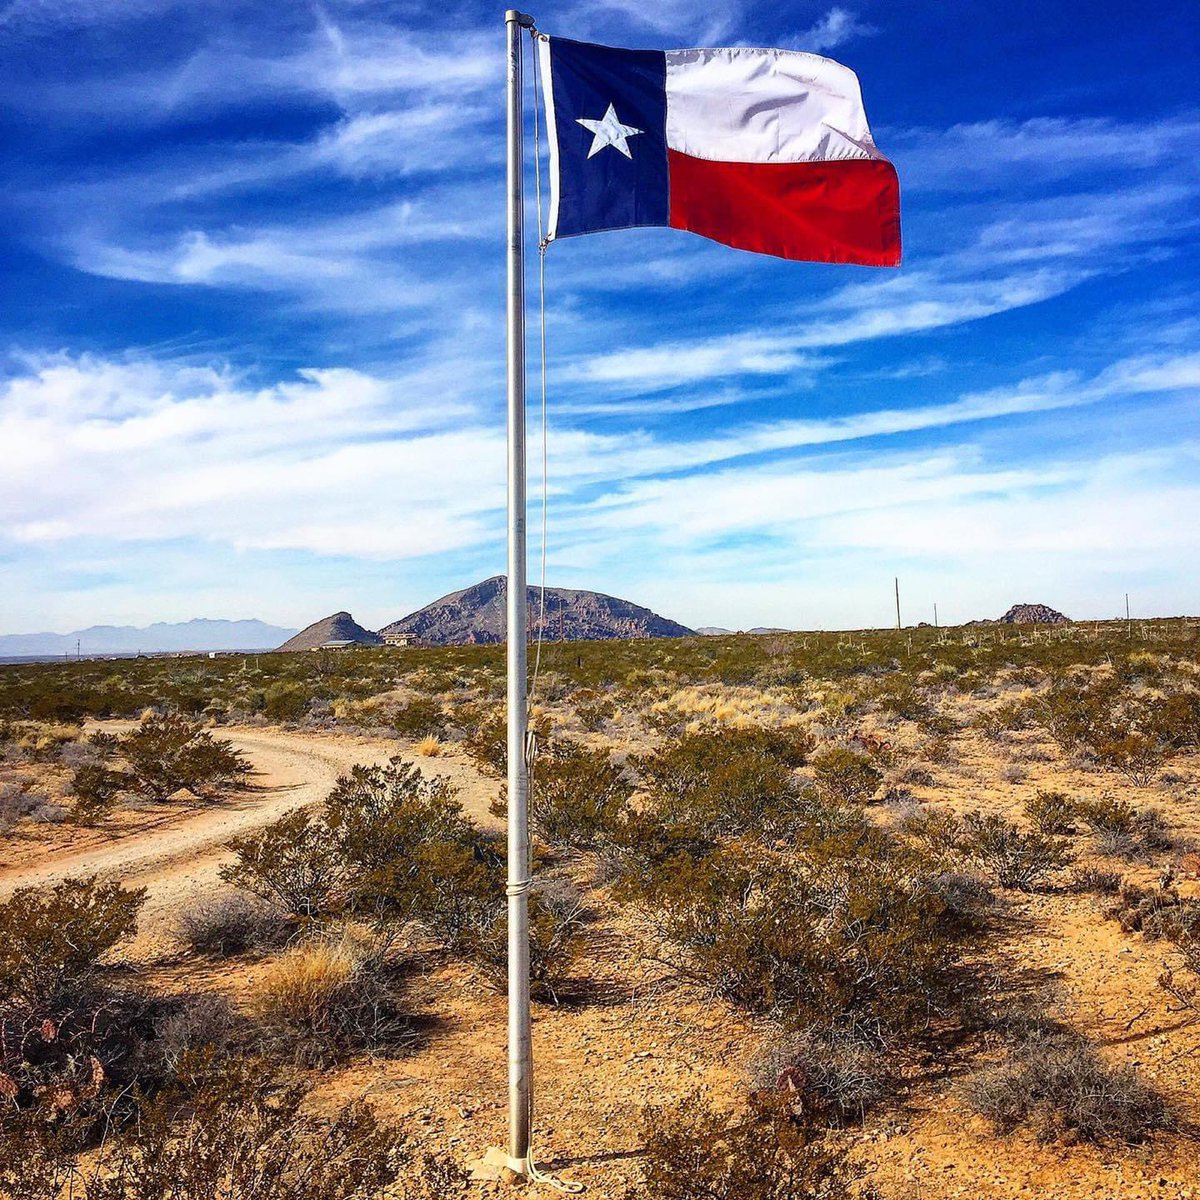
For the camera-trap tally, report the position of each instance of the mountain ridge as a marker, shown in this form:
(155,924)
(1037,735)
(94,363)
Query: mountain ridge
(199,634)
(477,615)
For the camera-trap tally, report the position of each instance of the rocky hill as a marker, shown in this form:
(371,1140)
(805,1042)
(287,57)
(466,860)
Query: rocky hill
(340,627)
(1027,614)
(477,615)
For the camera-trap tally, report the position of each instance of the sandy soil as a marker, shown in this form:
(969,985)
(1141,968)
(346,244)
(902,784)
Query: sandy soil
(632,1040)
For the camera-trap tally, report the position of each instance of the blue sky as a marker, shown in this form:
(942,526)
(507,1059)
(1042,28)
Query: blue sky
(251,344)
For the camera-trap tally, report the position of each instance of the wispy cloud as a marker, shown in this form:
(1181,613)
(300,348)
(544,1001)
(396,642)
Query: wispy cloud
(837,26)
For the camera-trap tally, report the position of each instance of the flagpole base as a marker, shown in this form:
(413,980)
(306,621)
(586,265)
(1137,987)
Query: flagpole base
(497,1165)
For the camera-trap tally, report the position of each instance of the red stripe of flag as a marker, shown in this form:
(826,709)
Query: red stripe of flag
(844,211)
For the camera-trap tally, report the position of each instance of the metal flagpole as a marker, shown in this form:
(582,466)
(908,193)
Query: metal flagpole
(520,1053)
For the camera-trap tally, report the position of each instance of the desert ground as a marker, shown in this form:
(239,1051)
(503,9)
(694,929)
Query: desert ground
(852,885)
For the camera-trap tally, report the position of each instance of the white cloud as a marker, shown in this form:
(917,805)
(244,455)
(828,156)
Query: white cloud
(974,156)
(838,25)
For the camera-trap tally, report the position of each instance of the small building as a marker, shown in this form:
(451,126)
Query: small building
(401,639)
(340,644)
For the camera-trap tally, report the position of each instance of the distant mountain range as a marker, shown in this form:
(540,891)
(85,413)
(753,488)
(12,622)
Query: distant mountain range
(720,631)
(198,634)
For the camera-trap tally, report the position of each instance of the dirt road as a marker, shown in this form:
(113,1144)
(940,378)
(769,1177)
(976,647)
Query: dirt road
(178,860)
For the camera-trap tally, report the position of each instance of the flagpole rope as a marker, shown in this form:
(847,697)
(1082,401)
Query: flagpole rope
(535,1174)
(542,243)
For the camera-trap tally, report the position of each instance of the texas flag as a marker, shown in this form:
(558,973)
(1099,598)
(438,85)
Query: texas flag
(765,150)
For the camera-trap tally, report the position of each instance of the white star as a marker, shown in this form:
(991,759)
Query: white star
(608,131)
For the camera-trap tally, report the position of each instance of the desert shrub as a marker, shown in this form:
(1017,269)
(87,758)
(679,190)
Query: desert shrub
(15,803)
(169,752)
(1124,829)
(1052,813)
(1095,880)
(1136,755)
(1137,906)
(231,923)
(1015,859)
(848,929)
(38,1160)
(1004,718)
(409,851)
(329,997)
(577,797)
(420,718)
(392,846)
(243,1136)
(195,1037)
(1177,718)
(1109,817)
(285,701)
(968,899)
(725,782)
(1125,731)
(66,1036)
(694,1153)
(292,864)
(845,775)
(95,787)
(822,1073)
(938,829)
(104,745)
(52,939)
(486,741)
(1059,1084)
(556,924)
(430,746)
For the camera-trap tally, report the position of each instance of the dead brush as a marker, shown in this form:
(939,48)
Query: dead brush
(1057,1083)
(332,996)
(693,1151)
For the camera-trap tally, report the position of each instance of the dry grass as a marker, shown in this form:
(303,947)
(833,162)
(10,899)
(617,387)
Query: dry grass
(429,746)
(705,705)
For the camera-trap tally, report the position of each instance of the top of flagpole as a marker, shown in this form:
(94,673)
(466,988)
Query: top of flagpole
(522,19)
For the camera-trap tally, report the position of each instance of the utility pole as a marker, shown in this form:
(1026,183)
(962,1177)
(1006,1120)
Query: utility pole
(935,619)
(1128,622)
(898,626)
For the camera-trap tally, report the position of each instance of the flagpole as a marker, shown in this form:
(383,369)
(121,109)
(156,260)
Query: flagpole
(520,1052)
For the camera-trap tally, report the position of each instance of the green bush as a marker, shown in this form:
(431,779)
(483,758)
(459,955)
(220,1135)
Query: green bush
(845,775)
(66,1037)
(169,752)
(422,717)
(52,939)
(293,864)
(96,787)
(1015,859)
(725,782)
(850,928)
(1052,813)
(286,702)
(577,798)
(243,1137)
